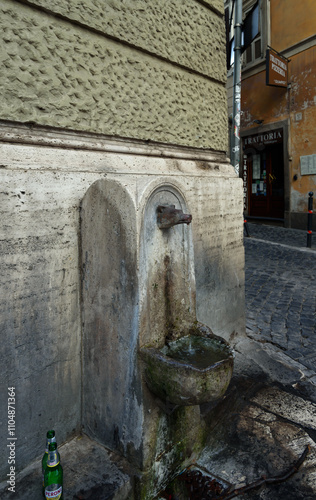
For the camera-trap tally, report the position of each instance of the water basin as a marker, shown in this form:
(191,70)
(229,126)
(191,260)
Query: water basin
(200,352)
(192,370)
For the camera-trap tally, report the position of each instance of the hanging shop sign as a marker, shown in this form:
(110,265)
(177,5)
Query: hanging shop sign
(276,69)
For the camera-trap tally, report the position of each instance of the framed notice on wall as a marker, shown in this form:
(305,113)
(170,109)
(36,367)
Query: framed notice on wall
(308,165)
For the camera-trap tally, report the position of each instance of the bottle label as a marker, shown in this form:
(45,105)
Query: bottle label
(53,459)
(53,491)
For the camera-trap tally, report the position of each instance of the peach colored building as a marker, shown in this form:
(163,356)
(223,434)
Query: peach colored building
(278,122)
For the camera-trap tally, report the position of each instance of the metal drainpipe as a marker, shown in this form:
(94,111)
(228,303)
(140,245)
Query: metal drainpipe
(235,147)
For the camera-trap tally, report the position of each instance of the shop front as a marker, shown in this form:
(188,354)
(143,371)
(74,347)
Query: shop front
(263,174)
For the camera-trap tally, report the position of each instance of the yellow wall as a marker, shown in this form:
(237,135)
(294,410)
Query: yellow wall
(291,22)
(296,105)
(261,102)
(303,127)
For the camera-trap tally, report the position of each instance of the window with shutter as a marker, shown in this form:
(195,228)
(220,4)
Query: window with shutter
(255,53)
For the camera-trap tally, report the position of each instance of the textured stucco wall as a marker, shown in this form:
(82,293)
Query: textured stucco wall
(64,74)
(185,33)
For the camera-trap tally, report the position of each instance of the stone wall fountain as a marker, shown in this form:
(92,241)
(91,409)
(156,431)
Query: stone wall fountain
(147,362)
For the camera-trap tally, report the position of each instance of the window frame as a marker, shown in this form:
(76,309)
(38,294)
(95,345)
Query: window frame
(249,59)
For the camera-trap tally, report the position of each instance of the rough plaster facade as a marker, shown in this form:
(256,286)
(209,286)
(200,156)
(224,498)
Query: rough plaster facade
(64,74)
(295,106)
(94,90)
(292,33)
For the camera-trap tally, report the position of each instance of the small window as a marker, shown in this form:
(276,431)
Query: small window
(256,51)
(249,55)
(257,48)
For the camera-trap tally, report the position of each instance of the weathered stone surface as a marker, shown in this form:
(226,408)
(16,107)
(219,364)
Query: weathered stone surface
(42,187)
(167,275)
(40,323)
(251,441)
(187,383)
(129,295)
(63,75)
(112,401)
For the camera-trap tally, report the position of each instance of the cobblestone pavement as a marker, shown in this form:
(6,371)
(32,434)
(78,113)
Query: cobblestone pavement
(281,291)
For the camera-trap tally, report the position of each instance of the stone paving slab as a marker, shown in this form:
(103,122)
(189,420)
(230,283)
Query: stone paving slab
(267,362)
(253,441)
(288,406)
(89,473)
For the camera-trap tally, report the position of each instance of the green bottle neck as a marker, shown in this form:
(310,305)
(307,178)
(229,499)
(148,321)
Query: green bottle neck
(48,441)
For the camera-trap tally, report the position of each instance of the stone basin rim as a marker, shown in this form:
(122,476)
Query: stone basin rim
(197,330)
(156,352)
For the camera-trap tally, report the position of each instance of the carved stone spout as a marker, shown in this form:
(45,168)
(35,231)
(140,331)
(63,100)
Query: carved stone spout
(169,216)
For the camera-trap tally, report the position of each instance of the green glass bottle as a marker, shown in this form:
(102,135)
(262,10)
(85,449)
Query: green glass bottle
(53,476)
(50,438)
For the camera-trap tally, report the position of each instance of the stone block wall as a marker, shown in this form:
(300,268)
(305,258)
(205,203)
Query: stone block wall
(41,191)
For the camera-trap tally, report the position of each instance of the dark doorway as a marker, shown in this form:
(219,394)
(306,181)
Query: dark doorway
(266,181)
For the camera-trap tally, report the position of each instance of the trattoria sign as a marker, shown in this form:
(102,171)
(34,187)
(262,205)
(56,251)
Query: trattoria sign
(276,69)
(273,137)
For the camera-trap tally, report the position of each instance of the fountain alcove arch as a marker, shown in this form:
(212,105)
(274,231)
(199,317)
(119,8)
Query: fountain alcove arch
(166,272)
(111,394)
(121,248)
(138,289)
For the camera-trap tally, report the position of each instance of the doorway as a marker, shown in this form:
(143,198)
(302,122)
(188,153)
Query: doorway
(265,167)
